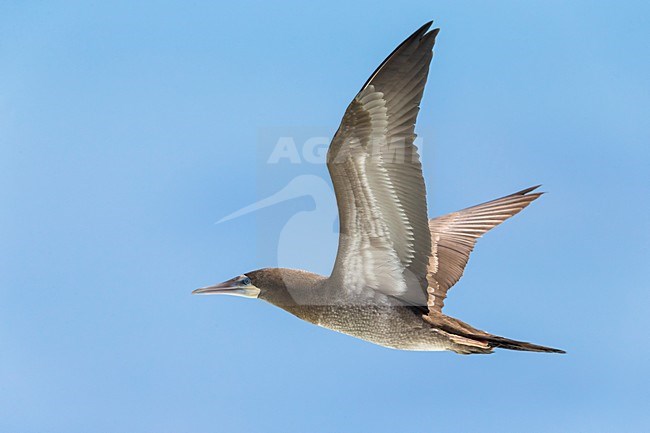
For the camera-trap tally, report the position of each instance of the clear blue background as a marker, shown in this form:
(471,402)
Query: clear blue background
(127,130)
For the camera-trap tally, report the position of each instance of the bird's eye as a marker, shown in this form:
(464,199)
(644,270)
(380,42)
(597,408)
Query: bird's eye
(246,281)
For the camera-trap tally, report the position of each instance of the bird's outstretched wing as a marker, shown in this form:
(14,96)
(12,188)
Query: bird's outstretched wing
(384,241)
(453,237)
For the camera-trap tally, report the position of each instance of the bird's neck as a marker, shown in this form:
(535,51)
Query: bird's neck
(287,288)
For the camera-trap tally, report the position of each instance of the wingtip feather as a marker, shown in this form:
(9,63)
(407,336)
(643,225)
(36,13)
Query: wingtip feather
(527,190)
(425,27)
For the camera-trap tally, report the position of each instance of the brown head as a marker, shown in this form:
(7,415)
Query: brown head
(278,286)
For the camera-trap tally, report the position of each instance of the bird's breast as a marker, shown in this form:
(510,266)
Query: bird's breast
(394,327)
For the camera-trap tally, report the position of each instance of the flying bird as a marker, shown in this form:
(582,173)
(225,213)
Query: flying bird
(394,265)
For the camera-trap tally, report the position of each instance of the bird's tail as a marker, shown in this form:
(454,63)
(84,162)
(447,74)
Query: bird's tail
(495,341)
(469,340)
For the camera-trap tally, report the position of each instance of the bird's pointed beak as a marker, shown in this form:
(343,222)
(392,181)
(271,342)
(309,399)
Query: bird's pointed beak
(232,287)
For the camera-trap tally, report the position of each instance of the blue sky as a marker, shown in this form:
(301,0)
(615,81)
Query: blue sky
(127,130)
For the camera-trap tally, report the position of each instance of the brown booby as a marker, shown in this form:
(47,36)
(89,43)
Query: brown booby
(394,266)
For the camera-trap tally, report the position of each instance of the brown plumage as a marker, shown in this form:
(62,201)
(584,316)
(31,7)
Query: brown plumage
(453,237)
(393,267)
